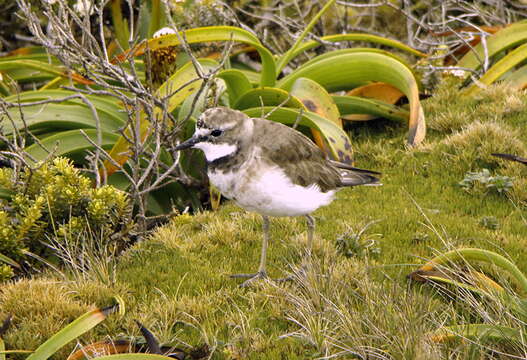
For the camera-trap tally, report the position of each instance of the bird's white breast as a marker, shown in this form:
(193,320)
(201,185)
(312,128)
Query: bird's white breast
(266,189)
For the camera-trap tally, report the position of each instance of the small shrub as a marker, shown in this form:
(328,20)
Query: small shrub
(54,203)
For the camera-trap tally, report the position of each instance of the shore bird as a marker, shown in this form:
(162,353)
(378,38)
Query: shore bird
(269,168)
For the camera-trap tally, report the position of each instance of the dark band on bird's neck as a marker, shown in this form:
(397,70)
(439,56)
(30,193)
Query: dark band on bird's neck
(222,161)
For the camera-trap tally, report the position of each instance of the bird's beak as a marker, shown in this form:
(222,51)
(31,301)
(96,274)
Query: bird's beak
(190,142)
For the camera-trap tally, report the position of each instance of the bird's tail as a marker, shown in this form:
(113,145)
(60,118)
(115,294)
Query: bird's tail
(511,157)
(352,176)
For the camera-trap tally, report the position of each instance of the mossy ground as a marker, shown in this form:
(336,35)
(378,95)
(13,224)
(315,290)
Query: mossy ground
(176,282)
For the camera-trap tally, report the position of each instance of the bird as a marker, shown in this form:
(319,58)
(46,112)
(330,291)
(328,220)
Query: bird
(269,168)
(511,157)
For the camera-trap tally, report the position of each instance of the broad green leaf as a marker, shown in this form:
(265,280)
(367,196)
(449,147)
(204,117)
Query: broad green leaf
(308,45)
(359,105)
(58,117)
(484,287)
(176,89)
(471,254)
(266,96)
(348,70)
(441,279)
(482,283)
(107,104)
(334,136)
(2,349)
(505,64)
(237,83)
(70,332)
(478,332)
(29,52)
(340,52)
(192,104)
(134,357)
(518,78)
(504,39)
(24,65)
(254,77)
(216,33)
(70,143)
(317,100)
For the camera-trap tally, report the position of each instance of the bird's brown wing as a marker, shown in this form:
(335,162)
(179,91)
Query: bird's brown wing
(300,158)
(303,161)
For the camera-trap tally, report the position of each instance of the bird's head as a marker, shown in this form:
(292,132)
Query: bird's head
(220,132)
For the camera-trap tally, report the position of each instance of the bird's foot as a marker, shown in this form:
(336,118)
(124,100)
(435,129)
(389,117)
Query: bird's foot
(251,278)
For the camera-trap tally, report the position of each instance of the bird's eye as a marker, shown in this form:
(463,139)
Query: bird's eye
(216,133)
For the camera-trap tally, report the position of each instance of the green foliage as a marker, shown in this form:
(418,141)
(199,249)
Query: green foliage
(506,49)
(489,222)
(75,134)
(56,202)
(357,244)
(446,269)
(354,67)
(483,179)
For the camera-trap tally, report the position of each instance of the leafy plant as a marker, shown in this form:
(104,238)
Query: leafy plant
(97,116)
(137,348)
(489,222)
(75,329)
(302,97)
(483,179)
(353,65)
(445,269)
(55,203)
(500,58)
(355,244)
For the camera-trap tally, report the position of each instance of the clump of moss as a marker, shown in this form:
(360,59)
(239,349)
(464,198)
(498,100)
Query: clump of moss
(474,144)
(56,203)
(449,112)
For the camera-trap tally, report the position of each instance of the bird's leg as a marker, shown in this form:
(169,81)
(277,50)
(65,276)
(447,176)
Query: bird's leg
(262,273)
(265,241)
(310,231)
(305,263)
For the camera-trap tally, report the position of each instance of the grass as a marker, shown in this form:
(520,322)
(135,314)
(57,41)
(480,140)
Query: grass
(356,302)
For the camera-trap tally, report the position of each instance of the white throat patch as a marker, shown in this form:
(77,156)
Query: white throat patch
(216,151)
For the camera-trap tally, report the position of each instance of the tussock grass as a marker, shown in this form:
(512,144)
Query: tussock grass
(176,282)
